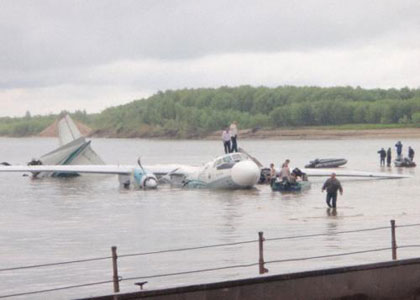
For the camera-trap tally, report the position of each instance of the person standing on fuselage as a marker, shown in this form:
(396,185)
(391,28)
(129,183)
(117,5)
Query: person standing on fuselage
(226,140)
(234,136)
(332,185)
(388,157)
(382,154)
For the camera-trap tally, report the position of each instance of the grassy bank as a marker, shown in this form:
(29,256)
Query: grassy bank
(198,113)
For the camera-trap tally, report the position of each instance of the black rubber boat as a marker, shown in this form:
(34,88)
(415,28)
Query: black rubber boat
(404,163)
(284,186)
(326,163)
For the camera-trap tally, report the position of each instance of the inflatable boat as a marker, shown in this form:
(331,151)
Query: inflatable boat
(285,186)
(404,163)
(326,163)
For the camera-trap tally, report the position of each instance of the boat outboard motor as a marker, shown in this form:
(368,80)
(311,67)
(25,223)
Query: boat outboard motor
(298,173)
(264,176)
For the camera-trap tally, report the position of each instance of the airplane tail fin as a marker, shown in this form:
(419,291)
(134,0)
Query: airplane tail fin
(74,149)
(67,130)
(69,133)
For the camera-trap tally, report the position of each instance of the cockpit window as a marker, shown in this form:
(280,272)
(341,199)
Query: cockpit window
(227,159)
(218,162)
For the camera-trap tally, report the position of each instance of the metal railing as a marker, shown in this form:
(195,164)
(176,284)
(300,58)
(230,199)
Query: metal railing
(116,278)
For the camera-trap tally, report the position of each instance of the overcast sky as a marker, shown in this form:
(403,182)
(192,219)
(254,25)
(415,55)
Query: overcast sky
(92,54)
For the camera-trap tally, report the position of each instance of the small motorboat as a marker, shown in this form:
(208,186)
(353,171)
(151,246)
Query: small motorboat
(404,163)
(292,185)
(285,186)
(326,163)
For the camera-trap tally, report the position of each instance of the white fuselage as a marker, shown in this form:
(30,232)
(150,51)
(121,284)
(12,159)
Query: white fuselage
(231,171)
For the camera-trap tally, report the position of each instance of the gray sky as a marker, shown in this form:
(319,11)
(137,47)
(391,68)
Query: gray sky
(92,54)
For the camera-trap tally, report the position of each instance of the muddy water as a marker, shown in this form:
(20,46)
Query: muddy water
(55,220)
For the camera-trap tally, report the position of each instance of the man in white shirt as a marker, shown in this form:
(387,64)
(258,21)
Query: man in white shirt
(226,140)
(234,136)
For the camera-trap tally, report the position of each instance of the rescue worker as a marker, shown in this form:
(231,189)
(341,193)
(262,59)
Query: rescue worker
(332,185)
(388,157)
(410,153)
(399,149)
(382,154)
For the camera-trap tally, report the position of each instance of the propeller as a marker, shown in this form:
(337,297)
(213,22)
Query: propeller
(140,165)
(256,161)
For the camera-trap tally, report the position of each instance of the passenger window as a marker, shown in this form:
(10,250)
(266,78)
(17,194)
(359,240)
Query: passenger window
(237,157)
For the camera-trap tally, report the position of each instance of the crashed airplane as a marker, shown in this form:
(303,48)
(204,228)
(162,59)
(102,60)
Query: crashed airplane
(74,150)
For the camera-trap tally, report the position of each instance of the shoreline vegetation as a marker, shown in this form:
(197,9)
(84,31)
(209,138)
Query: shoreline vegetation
(285,112)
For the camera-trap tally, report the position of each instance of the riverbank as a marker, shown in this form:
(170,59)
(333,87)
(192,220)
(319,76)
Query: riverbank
(313,133)
(326,133)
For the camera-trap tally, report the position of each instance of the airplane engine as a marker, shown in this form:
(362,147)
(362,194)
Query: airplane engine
(145,180)
(150,182)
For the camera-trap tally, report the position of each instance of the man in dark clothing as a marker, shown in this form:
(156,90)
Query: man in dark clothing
(382,153)
(410,153)
(388,157)
(332,185)
(399,149)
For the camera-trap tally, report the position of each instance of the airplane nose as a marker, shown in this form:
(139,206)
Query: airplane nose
(150,183)
(245,173)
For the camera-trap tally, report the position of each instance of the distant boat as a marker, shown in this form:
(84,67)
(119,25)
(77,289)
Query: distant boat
(326,163)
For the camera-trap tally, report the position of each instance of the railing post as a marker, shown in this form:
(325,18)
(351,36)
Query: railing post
(115,269)
(393,241)
(261,253)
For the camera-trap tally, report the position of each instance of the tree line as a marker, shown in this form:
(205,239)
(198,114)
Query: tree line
(197,112)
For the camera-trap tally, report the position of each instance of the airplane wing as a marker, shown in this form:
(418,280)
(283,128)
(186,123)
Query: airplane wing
(175,169)
(87,169)
(346,173)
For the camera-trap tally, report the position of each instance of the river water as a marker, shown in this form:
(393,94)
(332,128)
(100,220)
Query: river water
(53,220)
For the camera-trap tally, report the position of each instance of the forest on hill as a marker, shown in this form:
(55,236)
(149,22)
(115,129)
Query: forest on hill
(190,113)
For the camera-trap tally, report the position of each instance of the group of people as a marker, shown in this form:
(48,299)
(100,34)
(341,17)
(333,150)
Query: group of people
(284,174)
(385,155)
(230,138)
(388,154)
(332,185)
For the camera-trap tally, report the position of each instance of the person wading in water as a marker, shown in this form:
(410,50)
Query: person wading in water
(388,157)
(332,185)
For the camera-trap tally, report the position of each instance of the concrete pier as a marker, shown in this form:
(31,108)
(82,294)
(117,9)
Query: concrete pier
(388,280)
